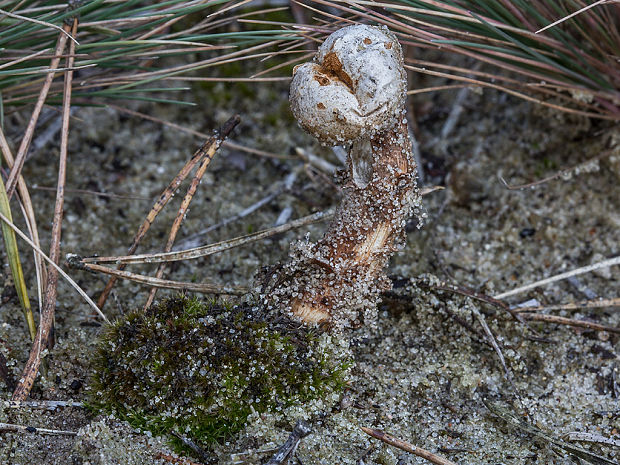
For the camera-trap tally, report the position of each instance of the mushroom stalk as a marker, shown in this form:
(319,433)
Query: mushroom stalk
(363,234)
(353,93)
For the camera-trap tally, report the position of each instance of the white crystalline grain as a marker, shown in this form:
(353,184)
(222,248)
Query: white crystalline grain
(354,86)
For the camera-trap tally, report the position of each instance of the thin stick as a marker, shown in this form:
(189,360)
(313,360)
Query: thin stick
(204,288)
(234,79)
(406,446)
(558,277)
(471,293)
(590,437)
(42,254)
(206,150)
(9,427)
(27,139)
(206,250)
(53,70)
(42,404)
(585,8)
(491,338)
(176,225)
(596,303)
(218,247)
(560,173)
(510,91)
(24,58)
(199,451)
(49,302)
(95,193)
(63,30)
(560,320)
(227,143)
(191,240)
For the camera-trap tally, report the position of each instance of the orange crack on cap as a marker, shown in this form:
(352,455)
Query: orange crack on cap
(332,65)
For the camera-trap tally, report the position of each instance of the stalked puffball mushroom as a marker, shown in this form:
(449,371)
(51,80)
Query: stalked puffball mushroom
(353,93)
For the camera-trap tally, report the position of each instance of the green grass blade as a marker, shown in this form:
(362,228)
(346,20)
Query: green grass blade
(534,54)
(10,242)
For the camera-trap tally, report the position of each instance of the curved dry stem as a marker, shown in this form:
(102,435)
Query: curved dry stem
(42,339)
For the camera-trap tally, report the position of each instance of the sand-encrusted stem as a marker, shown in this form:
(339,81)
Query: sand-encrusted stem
(353,93)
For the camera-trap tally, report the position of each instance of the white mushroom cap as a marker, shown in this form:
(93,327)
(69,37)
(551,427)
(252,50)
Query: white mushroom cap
(355,86)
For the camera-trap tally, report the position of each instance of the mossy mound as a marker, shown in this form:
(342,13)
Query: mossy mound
(200,369)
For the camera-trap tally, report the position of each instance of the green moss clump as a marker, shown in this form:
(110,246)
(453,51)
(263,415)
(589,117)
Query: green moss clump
(201,368)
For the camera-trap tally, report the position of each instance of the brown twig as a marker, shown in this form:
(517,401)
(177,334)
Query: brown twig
(206,150)
(217,247)
(559,174)
(176,225)
(27,139)
(49,302)
(468,292)
(511,91)
(108,195)
(560,320)
(226,143)
(549,93)
(406,446)
(207,250)
(204,288)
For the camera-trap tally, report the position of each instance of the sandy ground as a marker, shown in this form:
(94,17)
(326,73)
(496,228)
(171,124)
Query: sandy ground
(419,373)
